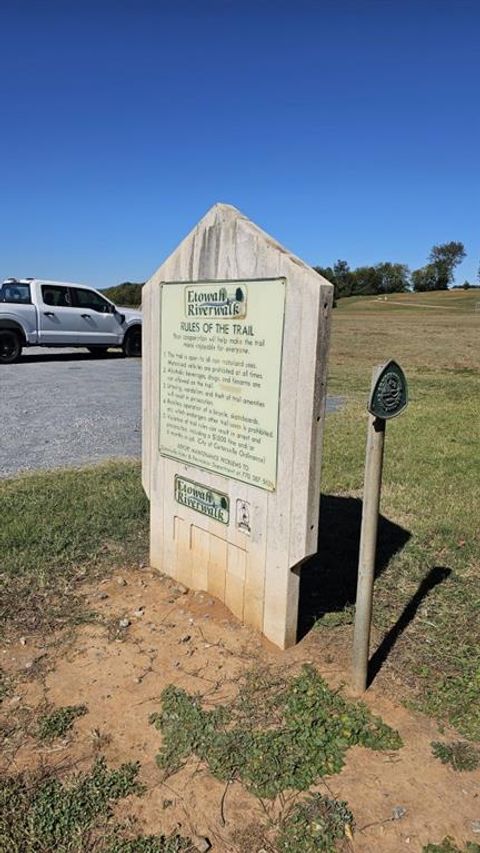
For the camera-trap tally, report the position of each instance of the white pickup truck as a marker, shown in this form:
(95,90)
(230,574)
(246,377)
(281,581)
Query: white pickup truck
(60,314)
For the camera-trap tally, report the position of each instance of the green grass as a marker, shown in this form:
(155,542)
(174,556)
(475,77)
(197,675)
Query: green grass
(277,735)
(61,528)
(431,488)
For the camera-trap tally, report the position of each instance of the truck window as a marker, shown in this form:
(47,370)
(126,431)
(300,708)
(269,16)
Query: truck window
(15,292)
(89,299)
(53,294)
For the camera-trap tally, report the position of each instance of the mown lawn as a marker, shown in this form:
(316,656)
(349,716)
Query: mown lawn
(59,529)
(431,486)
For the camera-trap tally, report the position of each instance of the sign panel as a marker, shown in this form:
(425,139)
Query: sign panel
(220,367)
(202,499)
(389,396)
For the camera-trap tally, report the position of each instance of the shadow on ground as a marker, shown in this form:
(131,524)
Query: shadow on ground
(434,577)
(328,581)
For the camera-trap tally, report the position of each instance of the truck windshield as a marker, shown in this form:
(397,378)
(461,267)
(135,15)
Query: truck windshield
(15,292)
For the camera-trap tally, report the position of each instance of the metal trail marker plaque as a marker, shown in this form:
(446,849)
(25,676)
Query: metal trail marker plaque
(235,341)
(389,393)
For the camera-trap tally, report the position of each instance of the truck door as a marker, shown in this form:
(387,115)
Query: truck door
(97,321)
(56,315)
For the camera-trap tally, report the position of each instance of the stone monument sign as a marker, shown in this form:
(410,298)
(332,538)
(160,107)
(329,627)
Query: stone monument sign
(235,340)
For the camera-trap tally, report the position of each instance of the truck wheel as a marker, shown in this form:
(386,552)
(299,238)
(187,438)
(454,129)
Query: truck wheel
(10,346)
(132,343)
(98,350)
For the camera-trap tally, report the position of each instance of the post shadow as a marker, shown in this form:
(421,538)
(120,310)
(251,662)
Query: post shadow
(328,580)
(434,577)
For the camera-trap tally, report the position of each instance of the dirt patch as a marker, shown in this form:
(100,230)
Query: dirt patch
(150,635)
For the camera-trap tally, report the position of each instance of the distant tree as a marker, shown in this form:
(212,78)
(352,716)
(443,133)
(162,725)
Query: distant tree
(340,275)
(366,280)
(394,278)
(445,257)
(326,272)
(343,279)
(425,278)
(128,294)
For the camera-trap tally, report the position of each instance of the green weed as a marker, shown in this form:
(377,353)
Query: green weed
(46,814)
(318,823)
(41,814)
(304,730)
(448,846)
(59,722)
(460,754)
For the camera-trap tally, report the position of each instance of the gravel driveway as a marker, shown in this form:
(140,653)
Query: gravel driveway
(68,408)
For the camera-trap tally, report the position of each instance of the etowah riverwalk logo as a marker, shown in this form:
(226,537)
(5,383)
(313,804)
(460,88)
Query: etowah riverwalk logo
(212,301)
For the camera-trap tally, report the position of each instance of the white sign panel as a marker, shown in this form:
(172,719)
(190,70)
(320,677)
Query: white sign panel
(220,367)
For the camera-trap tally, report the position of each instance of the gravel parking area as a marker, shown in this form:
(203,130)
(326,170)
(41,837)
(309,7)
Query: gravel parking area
(68,408)
(64,408)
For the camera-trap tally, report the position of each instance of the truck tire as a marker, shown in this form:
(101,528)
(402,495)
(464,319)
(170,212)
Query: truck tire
(10,346)
(132,343)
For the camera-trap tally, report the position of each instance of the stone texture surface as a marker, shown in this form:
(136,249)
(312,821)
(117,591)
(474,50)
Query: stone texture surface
(253,575)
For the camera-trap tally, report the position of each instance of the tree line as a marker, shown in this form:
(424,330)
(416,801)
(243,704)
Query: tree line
(383,278)
(387,277)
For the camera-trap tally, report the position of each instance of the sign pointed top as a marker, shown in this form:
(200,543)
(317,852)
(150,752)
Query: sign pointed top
(225,243)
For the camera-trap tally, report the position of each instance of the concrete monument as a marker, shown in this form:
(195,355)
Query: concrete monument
(235,341)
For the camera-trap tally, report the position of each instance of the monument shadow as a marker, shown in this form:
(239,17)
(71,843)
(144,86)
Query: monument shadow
(328,580)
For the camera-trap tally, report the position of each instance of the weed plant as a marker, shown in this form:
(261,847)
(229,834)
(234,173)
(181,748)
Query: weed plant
(448,846)
(460,754)
(46,814)
(301,732)
(317,824)
(59,722)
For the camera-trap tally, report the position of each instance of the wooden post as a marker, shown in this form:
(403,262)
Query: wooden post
(368,547)
(388,398)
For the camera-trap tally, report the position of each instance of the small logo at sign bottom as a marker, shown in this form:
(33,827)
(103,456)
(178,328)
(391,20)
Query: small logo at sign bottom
(202,499)
(243,516)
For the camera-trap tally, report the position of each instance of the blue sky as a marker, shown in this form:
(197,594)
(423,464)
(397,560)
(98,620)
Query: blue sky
(345,128)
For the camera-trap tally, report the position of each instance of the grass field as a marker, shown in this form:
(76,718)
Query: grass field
(431,483)
(60,528)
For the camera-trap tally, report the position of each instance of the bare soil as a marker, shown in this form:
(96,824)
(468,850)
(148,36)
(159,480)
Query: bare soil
(191,641)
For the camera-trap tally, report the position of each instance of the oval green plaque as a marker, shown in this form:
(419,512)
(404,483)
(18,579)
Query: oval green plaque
(389,395)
